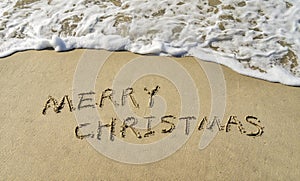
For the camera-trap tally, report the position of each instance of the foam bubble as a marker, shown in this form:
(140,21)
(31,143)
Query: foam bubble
(253,37)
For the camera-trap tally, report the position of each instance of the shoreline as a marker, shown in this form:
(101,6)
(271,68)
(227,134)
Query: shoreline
(150,54)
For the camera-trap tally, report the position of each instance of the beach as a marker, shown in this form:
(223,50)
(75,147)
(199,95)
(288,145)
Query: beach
(37,146)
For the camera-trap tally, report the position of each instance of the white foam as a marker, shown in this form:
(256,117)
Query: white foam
(250,36)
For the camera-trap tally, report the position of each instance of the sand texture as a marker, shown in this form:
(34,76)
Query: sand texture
(34,146)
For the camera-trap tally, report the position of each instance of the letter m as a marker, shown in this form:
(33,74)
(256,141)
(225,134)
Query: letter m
(57,107)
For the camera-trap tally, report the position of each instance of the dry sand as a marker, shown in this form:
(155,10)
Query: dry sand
(40,147)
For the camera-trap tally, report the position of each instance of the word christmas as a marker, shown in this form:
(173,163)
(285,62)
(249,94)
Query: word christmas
(129,123)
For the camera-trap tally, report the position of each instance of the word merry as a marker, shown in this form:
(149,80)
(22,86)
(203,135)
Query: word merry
(107,94)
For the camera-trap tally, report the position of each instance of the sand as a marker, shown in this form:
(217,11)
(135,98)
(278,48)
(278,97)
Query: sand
(38,147)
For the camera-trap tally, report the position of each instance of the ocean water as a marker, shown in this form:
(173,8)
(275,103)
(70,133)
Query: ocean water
(259,38)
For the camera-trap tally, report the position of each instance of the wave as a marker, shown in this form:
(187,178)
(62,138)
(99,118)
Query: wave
(258,38)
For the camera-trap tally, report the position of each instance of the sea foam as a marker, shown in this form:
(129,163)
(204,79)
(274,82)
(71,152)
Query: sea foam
(259,38)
